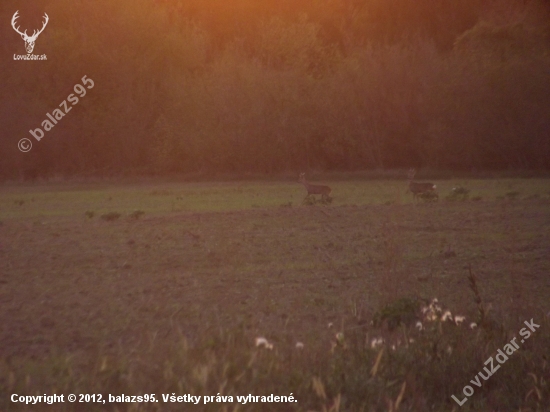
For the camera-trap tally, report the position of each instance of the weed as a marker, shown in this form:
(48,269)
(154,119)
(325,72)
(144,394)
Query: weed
(403,311)
(472,282)
(136,214)
(311,200)
(89,214)
(111,216)
(429,196)
(458,193)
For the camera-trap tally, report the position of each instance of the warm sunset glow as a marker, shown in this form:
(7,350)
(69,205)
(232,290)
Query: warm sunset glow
(245,85)
(274,205)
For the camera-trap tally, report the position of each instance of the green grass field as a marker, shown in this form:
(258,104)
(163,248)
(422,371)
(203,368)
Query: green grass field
(98,299)
(68,200)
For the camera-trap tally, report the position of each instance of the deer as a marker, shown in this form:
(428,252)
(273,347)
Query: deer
(418,189)
(322,190)
(29,40)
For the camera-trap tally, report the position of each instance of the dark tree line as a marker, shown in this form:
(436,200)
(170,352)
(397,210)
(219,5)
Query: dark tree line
(203,86)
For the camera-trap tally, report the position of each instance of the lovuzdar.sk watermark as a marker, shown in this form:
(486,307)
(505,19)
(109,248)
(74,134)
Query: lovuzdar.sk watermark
(501,357)
(29,40)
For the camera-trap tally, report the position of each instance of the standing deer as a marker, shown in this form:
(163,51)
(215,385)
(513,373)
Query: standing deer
(29,40)
(324,191)
(418,189)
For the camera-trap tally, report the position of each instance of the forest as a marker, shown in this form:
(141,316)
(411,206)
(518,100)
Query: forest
(210,87)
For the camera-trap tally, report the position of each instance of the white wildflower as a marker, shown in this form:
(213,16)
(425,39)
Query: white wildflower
(263,342)
(434,307)
(459,319)
(446,316)
(431,317)
(376,342)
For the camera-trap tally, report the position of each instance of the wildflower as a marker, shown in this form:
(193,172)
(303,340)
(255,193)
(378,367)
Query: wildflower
(299,345)
(340,337)
(473,325)
(431,317)
(376,342)
(446,316)
(431,311)
(460,319)
(263,342)
(434,307)
(330,325)
(419,325)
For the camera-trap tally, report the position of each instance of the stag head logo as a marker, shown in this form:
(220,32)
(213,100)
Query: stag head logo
(29,40)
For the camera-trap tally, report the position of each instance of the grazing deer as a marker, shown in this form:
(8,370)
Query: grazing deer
(324,191)
(419,189)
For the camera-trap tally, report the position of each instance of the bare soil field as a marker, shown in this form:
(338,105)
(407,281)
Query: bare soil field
(75,283)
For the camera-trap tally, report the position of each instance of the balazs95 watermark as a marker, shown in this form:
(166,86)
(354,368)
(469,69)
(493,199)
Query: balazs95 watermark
(53,118)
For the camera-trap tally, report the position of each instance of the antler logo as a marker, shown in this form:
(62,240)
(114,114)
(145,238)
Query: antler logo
(29,40)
